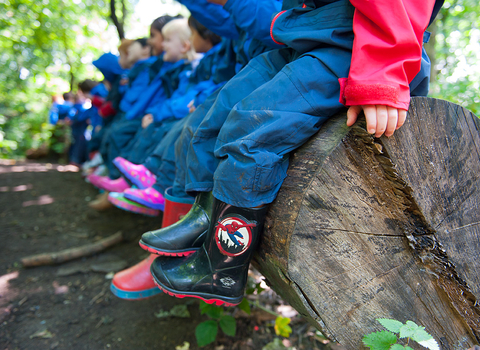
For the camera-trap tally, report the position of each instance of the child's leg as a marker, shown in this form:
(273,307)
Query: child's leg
(166,151)
(139,145)
(119,137)
(252,147)
(183,143)
(200,159)
(254,143)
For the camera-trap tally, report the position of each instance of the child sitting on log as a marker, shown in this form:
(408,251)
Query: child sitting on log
(363,55)
(176,62)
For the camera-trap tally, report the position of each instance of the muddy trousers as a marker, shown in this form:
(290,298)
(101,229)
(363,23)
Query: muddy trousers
(273,106)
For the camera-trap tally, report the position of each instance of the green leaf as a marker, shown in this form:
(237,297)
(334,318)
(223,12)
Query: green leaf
(180,310)
(228,324)
(212,311)
(397,347)
(206,332)
(245,306)
(382,340)
(429,344)
(281,326)
(258,288)
(391,325)
(409,329)
(421,335)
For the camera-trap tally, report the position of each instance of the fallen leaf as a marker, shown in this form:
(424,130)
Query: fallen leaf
(45,334)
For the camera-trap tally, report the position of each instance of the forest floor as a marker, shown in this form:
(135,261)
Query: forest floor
(43,208)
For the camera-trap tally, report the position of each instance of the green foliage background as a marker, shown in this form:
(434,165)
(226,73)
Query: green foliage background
(46,47)
(43,47)
(455,51)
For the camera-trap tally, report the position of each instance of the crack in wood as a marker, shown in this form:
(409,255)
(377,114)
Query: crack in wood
(361,233)
(465,226)
(318,319)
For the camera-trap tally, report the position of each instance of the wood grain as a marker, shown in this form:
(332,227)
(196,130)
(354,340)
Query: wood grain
(368,228)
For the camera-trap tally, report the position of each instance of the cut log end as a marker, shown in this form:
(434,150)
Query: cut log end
(368,228)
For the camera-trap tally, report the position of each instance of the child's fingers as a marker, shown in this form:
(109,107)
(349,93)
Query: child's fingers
(402,116)
(352,114)
(371,118)
(392,121)
(382,120)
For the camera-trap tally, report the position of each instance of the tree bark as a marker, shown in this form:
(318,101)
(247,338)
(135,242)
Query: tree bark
(367,228)
(118,24)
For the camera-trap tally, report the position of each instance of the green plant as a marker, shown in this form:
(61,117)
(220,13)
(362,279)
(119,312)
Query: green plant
(206,332)
(387,340)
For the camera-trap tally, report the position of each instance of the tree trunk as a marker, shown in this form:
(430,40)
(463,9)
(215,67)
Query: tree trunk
(367,228)
(118,24)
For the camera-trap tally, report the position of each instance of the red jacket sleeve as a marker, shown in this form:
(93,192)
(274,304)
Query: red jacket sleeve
(97,101)
(387,51)
(106,110)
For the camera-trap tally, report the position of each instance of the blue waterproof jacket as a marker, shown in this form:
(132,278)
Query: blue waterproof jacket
(109,65)
(250,19)
(159,90)
(138,80)
(193,85)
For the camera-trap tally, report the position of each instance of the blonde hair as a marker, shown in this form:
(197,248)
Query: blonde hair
(125,43)
(180,28)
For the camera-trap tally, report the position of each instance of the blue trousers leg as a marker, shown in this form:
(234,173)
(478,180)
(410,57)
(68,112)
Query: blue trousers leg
(200,158)
(120,135)
(165,151)
(252,146)
(183,143)
(139,144)
(146,140)
(154,162)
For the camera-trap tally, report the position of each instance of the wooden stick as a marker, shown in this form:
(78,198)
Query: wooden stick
(72,253)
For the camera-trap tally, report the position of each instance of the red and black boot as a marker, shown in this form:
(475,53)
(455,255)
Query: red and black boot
(136,282)
(185,236)
(217,272)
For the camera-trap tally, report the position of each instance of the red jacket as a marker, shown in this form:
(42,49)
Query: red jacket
(387,51)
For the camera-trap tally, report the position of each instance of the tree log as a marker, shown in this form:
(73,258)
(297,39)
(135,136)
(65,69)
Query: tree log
(367,228)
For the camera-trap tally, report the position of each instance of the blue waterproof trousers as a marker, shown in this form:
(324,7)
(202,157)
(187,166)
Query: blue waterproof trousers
(182,144)
(271,107)
(116,139)
(161,161)
(146,140)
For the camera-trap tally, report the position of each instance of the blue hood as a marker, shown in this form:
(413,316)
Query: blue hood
(109,66)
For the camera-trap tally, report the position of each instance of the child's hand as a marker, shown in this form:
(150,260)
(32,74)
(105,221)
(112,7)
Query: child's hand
(147,120)
(191,106)
(380,118)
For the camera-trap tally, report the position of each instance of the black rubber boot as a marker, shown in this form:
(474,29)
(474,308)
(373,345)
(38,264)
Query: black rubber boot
(185,236)
(217,273)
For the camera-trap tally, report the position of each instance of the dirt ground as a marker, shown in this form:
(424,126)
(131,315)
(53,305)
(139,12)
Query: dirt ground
(43,208)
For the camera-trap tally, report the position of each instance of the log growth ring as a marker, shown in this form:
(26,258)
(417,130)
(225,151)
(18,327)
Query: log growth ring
(368,228)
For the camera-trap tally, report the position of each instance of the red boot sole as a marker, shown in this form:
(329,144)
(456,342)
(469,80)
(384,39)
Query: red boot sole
(162,253)
(216,302)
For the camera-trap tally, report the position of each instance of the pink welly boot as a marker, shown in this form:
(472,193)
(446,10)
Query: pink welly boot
(149,197)
(119,200)
(139,175)
(105,183)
